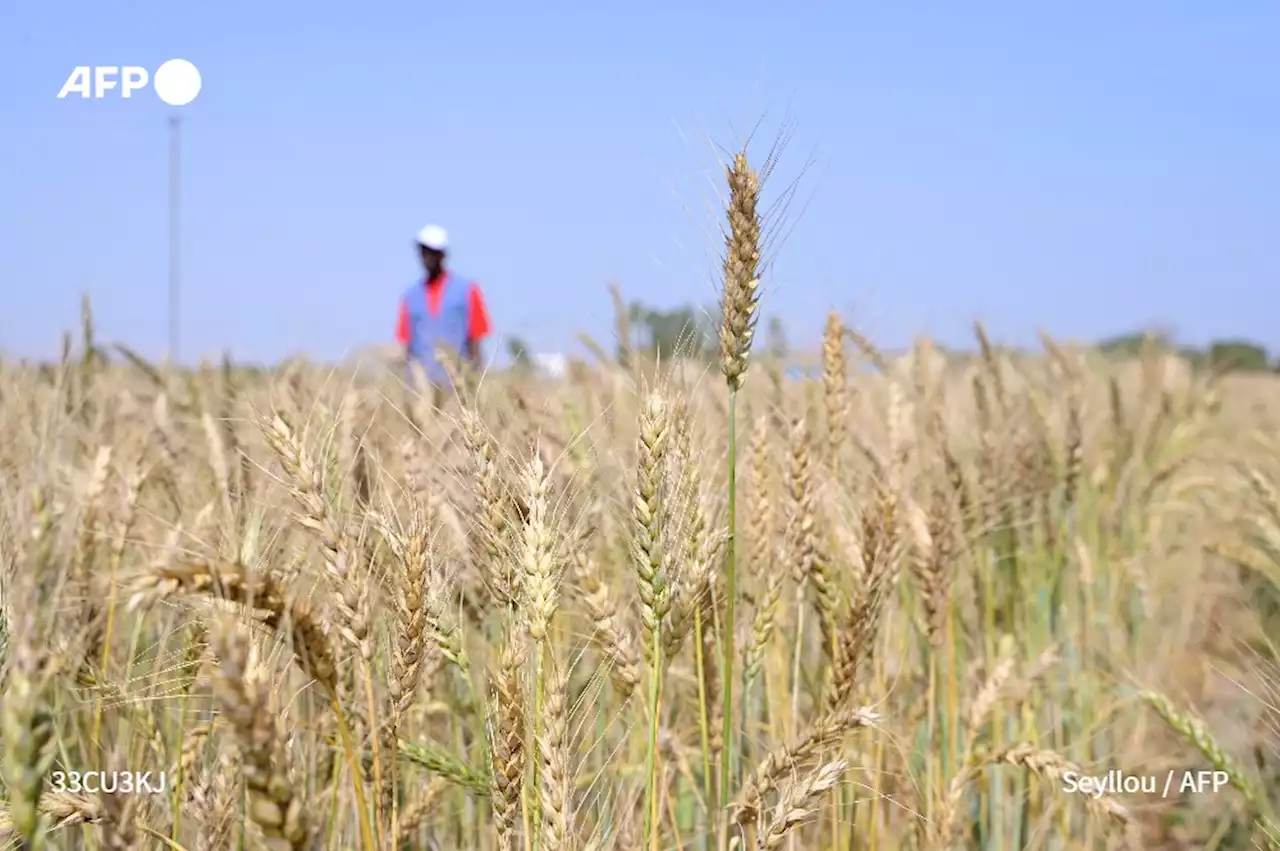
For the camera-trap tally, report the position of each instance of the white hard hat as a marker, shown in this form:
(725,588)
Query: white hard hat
(433,237)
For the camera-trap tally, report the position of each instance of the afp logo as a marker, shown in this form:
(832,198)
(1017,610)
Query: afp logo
(177,82)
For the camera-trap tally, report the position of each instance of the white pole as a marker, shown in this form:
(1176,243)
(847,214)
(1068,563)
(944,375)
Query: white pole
(175,269)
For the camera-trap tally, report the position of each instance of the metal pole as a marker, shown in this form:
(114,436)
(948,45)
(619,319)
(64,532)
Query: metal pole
(175,269)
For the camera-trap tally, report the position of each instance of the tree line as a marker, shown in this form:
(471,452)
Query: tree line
(682,332)
(689,331)
(1227,355)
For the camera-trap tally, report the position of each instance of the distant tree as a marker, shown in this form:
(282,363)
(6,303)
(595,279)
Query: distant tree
(1237,356)
(1193,356)
(777,343)
(636,317)
(669,334)
(518,351)
(1131,345)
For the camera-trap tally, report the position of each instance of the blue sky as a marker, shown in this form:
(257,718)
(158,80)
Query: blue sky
(1080,167)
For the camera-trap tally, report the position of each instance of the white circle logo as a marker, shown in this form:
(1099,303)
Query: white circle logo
(177,82)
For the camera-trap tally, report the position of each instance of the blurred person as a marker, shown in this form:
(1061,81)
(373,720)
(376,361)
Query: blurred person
(442,309)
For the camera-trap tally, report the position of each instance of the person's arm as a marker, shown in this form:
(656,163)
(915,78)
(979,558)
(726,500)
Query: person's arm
(477,326)
(402,332)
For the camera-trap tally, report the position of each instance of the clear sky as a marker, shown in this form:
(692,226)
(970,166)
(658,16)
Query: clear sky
(1081,167)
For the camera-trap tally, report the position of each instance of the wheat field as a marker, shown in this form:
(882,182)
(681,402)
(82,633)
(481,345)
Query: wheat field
(906,604)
